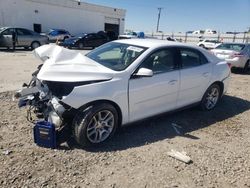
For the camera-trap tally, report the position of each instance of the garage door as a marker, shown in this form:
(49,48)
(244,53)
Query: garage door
(112,24)
(110,20)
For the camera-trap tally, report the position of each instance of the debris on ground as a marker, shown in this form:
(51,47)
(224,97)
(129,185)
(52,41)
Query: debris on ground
(6,152)
(181,156)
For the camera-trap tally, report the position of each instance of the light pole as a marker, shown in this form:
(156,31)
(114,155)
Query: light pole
(158,21)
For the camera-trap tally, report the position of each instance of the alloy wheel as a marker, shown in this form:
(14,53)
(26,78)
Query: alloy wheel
(212,98)
(100,126)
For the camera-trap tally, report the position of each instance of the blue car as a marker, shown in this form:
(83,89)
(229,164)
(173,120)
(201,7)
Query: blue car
(58,34)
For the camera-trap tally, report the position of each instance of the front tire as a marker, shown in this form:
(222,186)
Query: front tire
(211,97)
(80,45)
(95,124)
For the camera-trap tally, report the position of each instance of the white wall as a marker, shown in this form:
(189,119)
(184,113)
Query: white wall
(65,14)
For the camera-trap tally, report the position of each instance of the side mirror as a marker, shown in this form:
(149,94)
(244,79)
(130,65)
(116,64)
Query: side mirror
(143,72)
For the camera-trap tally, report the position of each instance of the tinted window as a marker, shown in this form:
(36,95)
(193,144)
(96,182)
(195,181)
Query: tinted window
(235,47)
(23,32)
(192,58)
(62,32)
(160,61)
(8,32)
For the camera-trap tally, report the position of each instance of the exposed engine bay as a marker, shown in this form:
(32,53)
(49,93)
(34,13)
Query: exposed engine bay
(43,99)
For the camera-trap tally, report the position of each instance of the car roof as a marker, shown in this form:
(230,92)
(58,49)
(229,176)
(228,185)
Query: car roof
(153,43)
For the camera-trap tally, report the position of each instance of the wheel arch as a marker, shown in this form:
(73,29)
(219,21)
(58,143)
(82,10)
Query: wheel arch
(117,107)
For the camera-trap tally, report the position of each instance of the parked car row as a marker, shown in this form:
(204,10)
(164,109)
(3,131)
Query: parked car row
(30,39)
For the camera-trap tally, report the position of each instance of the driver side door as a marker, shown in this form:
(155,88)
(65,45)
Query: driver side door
(6,38)
(149,96)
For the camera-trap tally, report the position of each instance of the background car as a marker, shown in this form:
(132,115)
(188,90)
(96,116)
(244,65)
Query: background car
(25,38)
(58,34)
(237,54)
(209,43)
(85,40)
(132,34)
(122,82)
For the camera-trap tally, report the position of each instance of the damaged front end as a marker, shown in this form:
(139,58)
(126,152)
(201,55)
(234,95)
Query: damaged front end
(54,80)
(43,99)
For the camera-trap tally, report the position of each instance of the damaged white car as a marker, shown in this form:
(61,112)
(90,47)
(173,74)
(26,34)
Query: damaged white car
(121,82)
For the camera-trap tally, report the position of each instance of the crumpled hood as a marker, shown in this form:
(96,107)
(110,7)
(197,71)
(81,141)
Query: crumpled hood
(65,65)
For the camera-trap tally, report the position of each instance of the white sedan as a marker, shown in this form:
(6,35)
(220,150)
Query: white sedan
(209,44)
(121,82)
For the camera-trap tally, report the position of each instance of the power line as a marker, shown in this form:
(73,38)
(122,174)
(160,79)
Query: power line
(158,20)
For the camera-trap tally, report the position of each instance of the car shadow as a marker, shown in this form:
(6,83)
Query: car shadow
(170,125)
(240,71)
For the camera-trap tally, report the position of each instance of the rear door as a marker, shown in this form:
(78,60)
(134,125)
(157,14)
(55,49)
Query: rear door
(153,95)
(24,37)
(195,75)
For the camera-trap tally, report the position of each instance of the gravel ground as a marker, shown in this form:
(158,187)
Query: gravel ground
(218,143)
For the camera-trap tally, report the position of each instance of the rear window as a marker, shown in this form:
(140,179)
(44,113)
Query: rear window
(235,47)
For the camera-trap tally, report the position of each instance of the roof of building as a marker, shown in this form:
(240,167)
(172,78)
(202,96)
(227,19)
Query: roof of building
(82,5)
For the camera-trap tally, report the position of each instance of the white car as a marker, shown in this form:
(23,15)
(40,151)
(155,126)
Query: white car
(209,43)
(121,82)
(237,54)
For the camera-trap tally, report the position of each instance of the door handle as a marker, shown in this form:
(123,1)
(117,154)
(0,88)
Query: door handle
(172,82)
(205,74)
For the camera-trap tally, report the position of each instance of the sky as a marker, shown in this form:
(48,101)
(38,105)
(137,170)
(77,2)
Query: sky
(183,15)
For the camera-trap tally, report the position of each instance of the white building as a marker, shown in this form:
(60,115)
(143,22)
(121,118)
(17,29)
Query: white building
(71,15)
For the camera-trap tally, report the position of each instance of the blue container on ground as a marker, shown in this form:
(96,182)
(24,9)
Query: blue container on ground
(45,134)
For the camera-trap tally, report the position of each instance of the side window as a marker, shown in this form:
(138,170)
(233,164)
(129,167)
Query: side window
(62,32)
(160,61)
(8,32)
(192,58)
(23,32)
(91,36)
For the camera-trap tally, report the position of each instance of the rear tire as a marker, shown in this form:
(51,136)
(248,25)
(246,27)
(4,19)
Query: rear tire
(211,97)
(94,125)
(35,45)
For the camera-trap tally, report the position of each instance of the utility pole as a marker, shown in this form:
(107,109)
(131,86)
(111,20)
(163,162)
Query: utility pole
(158,21)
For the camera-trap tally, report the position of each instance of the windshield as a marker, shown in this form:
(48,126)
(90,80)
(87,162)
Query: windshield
(2,28)
(235,47)
(116,56)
